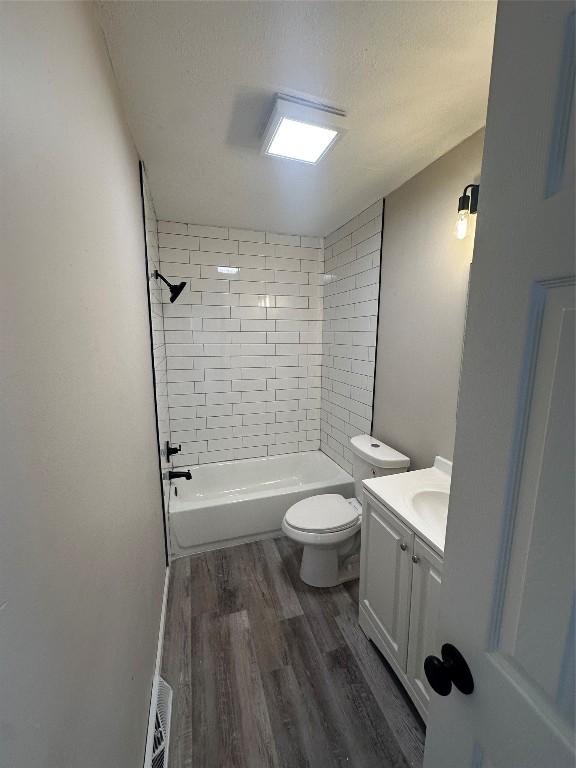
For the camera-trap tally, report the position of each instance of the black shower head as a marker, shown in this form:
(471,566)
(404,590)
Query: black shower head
(175,290)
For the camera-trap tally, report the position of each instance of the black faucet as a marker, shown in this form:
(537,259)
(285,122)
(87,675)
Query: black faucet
(187,475)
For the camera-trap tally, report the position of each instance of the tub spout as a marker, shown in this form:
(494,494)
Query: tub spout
(187,475)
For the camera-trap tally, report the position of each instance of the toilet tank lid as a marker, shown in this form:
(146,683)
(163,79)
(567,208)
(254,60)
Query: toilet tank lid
(378,453)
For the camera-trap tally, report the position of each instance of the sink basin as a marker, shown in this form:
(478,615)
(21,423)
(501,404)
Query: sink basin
(431,503)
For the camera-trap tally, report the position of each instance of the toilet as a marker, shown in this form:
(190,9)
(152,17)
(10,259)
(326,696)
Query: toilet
(328,525)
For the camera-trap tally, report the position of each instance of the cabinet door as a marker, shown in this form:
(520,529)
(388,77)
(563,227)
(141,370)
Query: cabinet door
(385,576)
(426,581)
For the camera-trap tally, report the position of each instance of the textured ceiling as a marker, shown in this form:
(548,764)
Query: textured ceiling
(198,81)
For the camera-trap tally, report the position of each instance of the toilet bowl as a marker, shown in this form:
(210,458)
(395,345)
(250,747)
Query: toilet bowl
(328,525)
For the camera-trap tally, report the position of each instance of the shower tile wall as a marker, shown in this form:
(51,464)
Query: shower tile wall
(244,349)
(352,266)
(157,323)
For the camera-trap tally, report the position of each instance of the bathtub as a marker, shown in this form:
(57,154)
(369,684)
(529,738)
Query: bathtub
(236,501)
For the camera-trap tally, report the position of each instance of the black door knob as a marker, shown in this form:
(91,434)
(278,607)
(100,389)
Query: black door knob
(450,670)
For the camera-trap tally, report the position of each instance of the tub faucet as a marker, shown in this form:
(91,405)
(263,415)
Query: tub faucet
(187,475)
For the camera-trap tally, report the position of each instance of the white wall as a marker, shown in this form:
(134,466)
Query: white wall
(81,549)
(424,281)
(243,349)
(352,259)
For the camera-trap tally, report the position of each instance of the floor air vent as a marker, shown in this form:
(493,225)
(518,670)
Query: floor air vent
(158,754)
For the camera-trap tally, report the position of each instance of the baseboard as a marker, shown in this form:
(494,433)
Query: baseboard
(157,667)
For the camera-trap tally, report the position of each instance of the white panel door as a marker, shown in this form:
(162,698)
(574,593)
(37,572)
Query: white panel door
(508,594)
(423,639)
(385,577)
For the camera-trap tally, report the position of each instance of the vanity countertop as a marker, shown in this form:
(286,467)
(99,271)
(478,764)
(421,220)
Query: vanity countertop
(419,499)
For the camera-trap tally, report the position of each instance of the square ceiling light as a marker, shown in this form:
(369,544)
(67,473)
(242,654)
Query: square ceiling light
(302,130)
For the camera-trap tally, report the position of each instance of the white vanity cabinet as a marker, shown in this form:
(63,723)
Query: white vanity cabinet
(424,603)
(400,578)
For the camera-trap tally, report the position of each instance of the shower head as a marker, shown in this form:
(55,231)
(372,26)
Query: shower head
(175,290)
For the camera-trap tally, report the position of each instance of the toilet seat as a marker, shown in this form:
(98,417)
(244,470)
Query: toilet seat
(323,514)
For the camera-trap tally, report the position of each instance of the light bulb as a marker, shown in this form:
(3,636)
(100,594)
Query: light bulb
(462,224)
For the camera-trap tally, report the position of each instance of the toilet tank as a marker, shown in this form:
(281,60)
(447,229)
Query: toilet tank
(373,458)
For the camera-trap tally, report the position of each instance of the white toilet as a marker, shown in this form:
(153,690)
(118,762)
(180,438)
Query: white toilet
(329,525)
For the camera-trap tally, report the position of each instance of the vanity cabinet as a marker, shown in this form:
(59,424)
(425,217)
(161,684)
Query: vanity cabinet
(400,579)
(424,604)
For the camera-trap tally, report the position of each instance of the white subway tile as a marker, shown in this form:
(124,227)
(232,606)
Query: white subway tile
(187,400)
(212,232)
(221,398)
(213,273)
(247,235)
(181,425)
(312,266)
(226,443)
(207,286)
(182,242)
(214,245)
(258,396)
(258,373)
(249,385)
(172,228)
(174,254)
(282,338)
(249,313)
(311,242)
(284,289)
(173,270)
(203,258)
(223,421)
(258,325)
(279,239)
(182,324)
(224,324)
(220,374)
(366,231)
(256,249)
(175,376)
(254,262)
(213,386)
(258,300)
(296,302)
(275,450)
(275,262)
(220,299)
(291,277)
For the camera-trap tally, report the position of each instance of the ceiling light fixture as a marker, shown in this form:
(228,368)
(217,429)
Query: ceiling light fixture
(467,204)
(302,130)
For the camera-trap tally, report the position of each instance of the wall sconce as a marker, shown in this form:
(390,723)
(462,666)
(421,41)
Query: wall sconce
(467,204)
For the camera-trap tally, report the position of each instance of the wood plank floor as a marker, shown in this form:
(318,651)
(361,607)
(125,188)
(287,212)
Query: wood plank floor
(267,671)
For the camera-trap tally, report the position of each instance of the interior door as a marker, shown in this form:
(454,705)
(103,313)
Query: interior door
(507,600)
(385,579)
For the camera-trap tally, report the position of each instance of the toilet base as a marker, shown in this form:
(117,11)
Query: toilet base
(327,567)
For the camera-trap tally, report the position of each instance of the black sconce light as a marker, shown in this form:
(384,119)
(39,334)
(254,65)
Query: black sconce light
(467,204)
(175,290)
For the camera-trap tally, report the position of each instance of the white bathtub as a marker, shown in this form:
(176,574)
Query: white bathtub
(237,501)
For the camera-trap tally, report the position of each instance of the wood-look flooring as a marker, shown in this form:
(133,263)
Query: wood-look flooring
(267,671)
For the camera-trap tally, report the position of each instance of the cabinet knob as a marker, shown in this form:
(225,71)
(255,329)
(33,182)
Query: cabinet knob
(403,546)
(415,559)
(450,670)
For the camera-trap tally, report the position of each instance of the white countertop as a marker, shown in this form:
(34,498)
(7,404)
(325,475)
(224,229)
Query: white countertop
(396,492)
